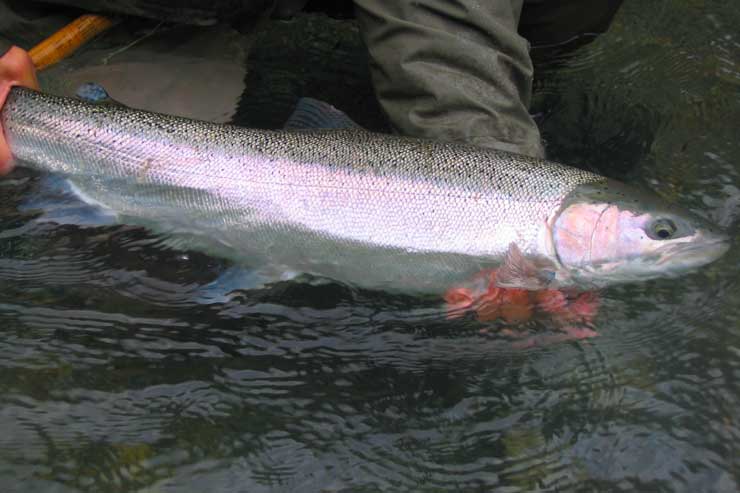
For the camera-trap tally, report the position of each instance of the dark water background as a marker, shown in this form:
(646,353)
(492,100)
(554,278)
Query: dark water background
(113,379)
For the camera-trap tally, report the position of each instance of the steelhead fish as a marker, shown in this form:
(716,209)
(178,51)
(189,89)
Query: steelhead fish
(378,211)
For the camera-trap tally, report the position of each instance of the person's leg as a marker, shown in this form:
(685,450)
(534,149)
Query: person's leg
(549,23)
(453,70)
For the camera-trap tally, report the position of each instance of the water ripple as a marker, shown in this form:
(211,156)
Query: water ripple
(116,377)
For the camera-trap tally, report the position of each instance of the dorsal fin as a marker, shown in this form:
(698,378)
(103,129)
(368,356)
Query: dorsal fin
(312,113)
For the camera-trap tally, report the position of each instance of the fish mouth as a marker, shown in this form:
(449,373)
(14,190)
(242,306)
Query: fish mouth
(696,253)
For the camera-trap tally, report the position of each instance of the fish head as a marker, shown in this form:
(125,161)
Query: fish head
(607,233)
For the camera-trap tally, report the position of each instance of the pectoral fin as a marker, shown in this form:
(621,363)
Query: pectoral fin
(518,271)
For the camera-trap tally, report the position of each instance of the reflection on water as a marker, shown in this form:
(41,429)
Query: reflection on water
(114,379)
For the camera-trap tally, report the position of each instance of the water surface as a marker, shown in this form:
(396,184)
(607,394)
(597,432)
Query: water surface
(115,379)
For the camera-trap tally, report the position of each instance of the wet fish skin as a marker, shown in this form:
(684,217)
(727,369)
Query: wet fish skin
(374,210)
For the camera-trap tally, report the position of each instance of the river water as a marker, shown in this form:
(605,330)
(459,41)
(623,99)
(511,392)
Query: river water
(115,378)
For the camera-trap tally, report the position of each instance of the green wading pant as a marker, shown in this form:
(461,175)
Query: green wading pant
(460,70)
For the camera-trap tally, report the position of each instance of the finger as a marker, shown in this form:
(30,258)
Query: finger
(16,67)
(6,158)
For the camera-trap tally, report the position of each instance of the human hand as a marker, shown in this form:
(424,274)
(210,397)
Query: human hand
(16,69)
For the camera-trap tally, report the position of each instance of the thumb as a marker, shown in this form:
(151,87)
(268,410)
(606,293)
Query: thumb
(16,69)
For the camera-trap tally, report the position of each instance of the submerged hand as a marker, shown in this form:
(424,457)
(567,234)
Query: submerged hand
(16,69)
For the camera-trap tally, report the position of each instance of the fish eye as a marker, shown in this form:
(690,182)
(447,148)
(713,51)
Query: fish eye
(663,229)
